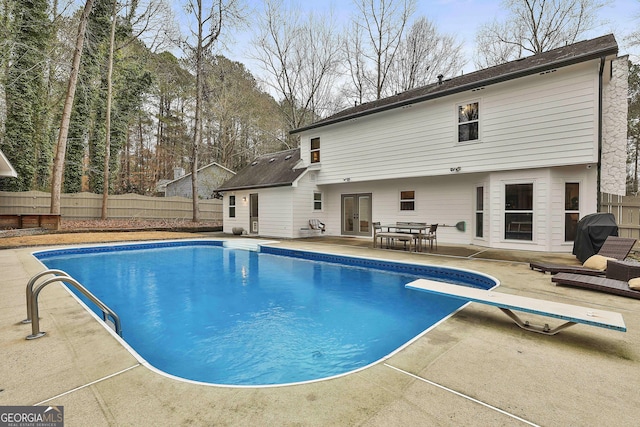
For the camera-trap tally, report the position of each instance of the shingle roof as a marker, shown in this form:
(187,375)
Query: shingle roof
(561,57)
(268,170)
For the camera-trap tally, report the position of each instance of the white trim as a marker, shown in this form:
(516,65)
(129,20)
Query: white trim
(457,122)
(5,164)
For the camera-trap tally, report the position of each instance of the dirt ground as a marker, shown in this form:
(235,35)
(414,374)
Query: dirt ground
(97,231)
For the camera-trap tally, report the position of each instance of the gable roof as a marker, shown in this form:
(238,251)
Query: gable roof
(188,175)
(561,57)
(268,170)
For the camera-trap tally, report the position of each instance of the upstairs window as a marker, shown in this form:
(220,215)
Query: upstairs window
(315,150)
(407,200)
(317,201)
(232,206)
(468,115)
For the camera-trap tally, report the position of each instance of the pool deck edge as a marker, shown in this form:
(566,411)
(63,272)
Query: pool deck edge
(582,376)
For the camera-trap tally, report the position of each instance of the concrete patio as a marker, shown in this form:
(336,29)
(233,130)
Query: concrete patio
(475,369)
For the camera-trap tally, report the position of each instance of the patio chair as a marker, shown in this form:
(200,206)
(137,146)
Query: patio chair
(315,224)
(614,247)
(431,236)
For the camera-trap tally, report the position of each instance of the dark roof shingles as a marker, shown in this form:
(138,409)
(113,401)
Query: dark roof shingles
(264,172)
(574,53)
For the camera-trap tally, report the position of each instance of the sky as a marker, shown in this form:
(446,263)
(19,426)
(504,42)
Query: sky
(460,18)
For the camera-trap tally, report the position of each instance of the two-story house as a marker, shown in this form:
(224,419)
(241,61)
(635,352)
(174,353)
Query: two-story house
(517,153)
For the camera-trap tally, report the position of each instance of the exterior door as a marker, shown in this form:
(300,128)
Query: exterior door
(356,214)
(253,213)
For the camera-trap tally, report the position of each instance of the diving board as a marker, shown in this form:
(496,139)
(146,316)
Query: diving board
(573,314)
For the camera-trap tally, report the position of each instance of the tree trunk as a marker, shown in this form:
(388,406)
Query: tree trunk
(61,148)
(107,144)
(197,135)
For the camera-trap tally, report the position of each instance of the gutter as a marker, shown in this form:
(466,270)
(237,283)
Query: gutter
(560,63)
(255,186)
(599,166)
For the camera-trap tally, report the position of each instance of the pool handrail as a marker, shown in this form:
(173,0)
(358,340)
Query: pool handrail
(35,291)
(32,283)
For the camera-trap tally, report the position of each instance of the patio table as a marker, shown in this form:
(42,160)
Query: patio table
(405,228)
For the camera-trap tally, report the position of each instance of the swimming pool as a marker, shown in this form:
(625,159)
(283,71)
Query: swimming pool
(199,311)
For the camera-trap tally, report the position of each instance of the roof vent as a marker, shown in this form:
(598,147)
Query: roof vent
(254,163)
(273,159)
(288,157)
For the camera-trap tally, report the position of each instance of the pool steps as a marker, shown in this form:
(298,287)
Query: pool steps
(245,244)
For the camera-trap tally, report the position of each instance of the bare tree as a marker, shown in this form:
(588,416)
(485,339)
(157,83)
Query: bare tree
(151,21)
(423,55)
(209,22)
(534,26)
(382,25)
(58,164)
(360,87)
(300,56)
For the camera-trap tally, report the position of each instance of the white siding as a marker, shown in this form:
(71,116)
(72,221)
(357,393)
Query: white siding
(548,205)
(275,212)
(438,200)
(303,206)
(536,121)
(242,212)
(448,200)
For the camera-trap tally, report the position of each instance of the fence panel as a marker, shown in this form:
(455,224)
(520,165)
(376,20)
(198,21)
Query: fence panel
(626,210)
(124,206)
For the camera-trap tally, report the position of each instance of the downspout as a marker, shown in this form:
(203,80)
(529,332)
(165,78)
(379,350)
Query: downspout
(599,166)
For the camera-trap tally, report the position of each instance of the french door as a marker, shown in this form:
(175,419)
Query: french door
(356,214)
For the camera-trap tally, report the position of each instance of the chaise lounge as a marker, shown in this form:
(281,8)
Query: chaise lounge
(614,247)
(618,275)
(602,284)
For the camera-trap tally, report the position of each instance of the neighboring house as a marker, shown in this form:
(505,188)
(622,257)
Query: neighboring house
(5,167)
(518,152)
(209,179)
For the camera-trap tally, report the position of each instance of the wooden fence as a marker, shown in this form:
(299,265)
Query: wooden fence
(626,209)
(126,206)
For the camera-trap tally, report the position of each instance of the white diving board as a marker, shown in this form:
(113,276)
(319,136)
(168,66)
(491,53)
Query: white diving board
(573,314)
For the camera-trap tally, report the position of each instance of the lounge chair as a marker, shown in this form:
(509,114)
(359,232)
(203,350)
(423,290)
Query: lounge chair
(315,224)
(602,284)
(614,247)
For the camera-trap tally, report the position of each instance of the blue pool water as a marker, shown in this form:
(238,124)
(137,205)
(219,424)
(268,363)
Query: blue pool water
(203,312)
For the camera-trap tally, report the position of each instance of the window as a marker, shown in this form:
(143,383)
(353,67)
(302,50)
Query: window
(232,206)
(407,200)
(479,211)
(468,122)
(315,150)
(571,210)
(518,216)
(317,201)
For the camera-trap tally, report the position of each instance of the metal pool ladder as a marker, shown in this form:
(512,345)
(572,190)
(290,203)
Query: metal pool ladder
(109,316)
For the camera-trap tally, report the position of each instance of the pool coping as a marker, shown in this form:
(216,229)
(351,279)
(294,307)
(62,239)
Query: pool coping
(561,380)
